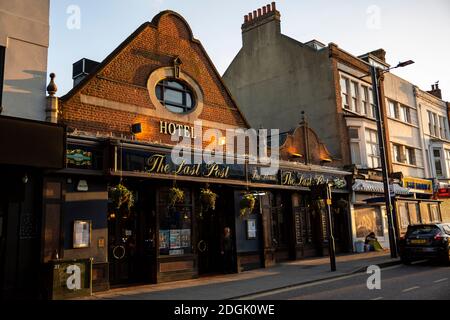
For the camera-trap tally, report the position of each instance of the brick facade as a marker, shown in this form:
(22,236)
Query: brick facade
(120,83)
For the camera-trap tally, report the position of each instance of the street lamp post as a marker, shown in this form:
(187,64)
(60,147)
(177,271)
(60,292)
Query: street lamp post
(375,73)
(382,146)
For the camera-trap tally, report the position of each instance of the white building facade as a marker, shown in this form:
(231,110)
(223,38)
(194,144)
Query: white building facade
(24,41)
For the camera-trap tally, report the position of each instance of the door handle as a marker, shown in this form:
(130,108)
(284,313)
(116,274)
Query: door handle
(119,252)
(202,246)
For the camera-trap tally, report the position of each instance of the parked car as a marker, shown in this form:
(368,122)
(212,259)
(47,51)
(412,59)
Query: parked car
(426,241)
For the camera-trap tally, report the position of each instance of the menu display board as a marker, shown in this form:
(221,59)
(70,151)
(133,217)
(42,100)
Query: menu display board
(82,233)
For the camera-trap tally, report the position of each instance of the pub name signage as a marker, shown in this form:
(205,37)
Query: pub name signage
(302,179)
(159,163)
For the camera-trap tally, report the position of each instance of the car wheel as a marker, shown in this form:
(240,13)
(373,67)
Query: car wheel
(405,260)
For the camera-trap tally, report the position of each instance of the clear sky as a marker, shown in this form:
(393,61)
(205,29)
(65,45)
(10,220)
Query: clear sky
(406,29)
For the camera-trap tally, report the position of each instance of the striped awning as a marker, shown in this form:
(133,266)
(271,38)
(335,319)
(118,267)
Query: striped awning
(377,187)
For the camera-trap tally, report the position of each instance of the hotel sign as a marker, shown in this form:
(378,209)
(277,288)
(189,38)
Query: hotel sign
(170,128)
(418,185)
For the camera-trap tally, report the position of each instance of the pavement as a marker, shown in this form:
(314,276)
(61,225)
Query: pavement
(248,283)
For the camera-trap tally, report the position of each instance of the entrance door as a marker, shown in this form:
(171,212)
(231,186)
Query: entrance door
(210,231)
(132,240)
(122,247)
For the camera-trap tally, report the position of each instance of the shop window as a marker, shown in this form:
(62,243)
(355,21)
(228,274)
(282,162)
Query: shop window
(175,225)
(368,220)
(414,216)
(404,215)
(434,213)
(175,95)
(425,215)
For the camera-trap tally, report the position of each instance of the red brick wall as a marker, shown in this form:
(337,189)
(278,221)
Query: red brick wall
(124,80)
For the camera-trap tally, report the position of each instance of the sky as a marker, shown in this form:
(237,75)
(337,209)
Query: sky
(407,29)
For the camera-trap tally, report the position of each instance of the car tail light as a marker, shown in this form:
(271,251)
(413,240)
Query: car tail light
(439,236)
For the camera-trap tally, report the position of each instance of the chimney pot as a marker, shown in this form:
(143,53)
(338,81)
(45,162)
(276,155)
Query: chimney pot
(259,12)
(264,10)
(268,8)
(437,86)
(432,87)
(246,18)
(250,16)
(255,14)
(274,6)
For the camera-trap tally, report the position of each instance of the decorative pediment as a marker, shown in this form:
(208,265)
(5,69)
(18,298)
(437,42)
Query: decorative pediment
(303,145)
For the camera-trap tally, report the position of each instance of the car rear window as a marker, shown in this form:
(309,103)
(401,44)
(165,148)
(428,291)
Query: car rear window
(422,230)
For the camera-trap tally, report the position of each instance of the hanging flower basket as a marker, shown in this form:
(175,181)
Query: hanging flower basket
(208,199)
(247,204)
(121,197)
(176,195)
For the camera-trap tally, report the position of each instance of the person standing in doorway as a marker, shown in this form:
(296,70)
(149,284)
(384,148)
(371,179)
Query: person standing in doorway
(226,247)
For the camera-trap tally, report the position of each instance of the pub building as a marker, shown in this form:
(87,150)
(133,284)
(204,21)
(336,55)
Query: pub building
(140,214)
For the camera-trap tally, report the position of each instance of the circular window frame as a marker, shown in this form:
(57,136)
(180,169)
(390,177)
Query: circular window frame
(183,83)
(167,73)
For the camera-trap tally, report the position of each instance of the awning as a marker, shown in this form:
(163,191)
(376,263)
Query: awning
(31,143)
(377,187)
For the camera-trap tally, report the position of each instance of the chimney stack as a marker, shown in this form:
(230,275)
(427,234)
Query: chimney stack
(435,91)
(260,16)
(266,16)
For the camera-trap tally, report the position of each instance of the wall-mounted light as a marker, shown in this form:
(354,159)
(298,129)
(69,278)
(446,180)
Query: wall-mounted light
(25,179)
(222,141)
(136,128)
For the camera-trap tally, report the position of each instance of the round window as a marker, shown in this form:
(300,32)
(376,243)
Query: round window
(175,96)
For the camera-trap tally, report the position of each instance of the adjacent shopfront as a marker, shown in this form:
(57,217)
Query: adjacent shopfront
(412,203)
(29,149)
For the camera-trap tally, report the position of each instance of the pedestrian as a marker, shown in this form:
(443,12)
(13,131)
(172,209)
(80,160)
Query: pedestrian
(226,250)
(372,242)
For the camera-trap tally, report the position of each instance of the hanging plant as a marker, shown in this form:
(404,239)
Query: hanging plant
(208,199)
(176,195)
(247,204)
(121,197)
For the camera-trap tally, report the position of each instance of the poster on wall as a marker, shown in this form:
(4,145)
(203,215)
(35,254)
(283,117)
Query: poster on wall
(251,229)
(185,238)
(164,238)
(81,234)
(367,221)
(175,239)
